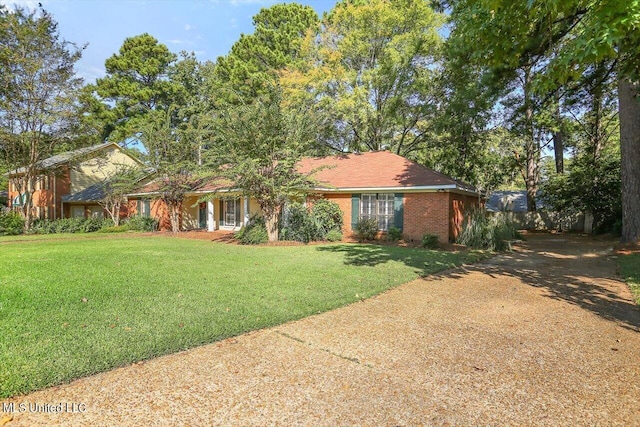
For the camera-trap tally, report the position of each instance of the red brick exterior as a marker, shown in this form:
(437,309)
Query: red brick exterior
(458,205)
(59,186)
(439,213)
(344,201)
(159,211)
(426,213)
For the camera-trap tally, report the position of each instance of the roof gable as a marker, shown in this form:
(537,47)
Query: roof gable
(376,169)
(68,156)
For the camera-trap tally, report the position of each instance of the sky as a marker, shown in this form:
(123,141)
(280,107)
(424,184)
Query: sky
(206,27)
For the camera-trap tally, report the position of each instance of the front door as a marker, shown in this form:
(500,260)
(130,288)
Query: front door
(202,215)
(231,212)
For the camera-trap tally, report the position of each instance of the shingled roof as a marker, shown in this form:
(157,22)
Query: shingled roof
(377,170)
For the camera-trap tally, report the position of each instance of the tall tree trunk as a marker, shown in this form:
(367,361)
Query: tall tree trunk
(558,142)
(531,148)
(629,105)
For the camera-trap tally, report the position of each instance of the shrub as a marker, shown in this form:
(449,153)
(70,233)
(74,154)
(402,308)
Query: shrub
(301,225)
(142,223)
(366,229)
(92,225)
(11,223)
(429,241)
(254,233)
(43,226)
(334,236)
(69,225)
(328,214)
(394,234)
(481,231)
(307,225)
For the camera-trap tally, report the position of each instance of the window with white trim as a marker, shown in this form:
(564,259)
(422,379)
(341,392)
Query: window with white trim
(379,206)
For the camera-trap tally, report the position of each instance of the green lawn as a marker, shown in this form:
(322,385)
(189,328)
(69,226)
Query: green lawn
(74,307)
(630,270)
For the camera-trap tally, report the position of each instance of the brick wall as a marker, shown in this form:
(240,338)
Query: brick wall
(457,205)
(426,213)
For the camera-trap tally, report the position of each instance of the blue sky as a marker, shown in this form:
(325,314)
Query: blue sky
(206,27)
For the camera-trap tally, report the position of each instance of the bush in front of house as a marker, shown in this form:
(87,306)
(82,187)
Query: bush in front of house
(301,225)
(308,225)
(328,214)
(142,223)
(394,234)
(366,229)
(429,241)
(480,231)
(11,223)
(254,233)
(69,225)
(334,236)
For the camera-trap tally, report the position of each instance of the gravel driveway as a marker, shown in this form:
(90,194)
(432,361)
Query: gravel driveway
(546,335)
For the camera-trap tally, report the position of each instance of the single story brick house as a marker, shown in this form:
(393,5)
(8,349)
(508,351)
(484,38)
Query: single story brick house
(382,185)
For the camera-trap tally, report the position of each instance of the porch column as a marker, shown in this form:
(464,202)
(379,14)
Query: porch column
(211,223)
(246,211)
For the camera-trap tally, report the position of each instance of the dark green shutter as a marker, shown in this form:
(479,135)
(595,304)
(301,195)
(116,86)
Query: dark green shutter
(147,208)
(139,207)
(398,211)
(221,214)
(355,210)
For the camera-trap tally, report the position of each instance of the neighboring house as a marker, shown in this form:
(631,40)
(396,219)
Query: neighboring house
(512,205)
(507,201)
(70,184)
(382,185)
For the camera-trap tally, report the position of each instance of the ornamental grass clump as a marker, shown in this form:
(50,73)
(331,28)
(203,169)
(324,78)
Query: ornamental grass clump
(481,231)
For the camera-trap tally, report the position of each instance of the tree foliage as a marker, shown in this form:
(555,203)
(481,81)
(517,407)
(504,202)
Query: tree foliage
(251,65)
(258,147)
(38,94)
(136,83)
(571,39)
(370,74)
(172,153)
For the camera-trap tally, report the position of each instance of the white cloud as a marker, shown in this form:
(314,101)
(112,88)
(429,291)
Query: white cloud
(176,41)
(27,4)
(188,27)
(234,23)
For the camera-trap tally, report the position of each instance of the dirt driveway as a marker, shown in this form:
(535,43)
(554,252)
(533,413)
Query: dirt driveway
(544,336)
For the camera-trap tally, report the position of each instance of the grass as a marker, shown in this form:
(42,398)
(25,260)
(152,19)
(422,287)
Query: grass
(630,270)
(71,308)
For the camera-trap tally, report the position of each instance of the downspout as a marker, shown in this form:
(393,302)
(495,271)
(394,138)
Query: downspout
(55,201)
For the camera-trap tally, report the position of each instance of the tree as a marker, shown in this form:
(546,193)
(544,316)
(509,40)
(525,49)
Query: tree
(122,182)
(573,35)
(172,153)
(136,84)
(258,148)
(38,93)
(251,65)
(371,72)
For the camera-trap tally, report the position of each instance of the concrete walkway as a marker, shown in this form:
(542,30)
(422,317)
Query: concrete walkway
(543,336)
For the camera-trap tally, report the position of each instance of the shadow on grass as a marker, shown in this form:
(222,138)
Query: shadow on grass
(424,262)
